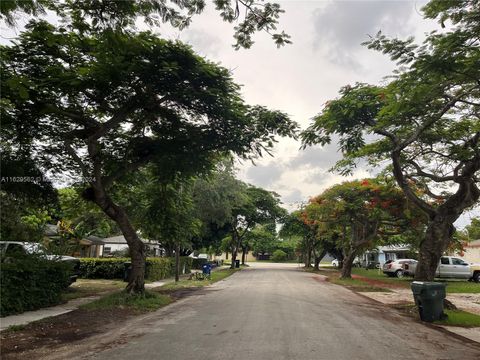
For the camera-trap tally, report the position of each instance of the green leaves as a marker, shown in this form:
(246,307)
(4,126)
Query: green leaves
(98,16)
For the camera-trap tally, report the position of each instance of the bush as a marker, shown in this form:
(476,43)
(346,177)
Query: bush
(102,268)
(30,283)
(279,256)
(198,263)
(114,268)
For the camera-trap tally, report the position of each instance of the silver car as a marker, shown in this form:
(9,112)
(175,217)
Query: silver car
(396,268)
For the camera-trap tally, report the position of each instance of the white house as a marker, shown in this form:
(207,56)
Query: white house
(118,243)
(381,254)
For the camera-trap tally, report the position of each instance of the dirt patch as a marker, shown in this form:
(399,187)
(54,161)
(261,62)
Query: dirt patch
(378,283)
(71,327)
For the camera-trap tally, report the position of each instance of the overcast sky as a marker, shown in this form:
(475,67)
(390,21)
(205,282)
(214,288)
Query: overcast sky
(298,79)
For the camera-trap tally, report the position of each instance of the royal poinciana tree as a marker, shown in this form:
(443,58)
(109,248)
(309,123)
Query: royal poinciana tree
(93,16)
(107,104)
(425,122)
(359,215)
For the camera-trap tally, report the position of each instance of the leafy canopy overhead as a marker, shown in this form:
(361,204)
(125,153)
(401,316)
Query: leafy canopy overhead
(72,99)
(93,16)
(426,120)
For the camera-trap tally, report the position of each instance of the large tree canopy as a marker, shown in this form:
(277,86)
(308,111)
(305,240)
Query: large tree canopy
(103,106)
(92,16)
(359,215)
(425,122)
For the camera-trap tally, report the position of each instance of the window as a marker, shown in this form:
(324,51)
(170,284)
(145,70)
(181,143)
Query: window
(456,261)
(107,250)
(444,261)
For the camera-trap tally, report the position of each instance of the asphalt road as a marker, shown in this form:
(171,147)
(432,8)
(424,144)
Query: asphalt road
(280,312)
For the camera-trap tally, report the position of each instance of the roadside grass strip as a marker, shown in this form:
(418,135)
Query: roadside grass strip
(149,301)
(184,284)
(90,287)
(357,285)
(460,318)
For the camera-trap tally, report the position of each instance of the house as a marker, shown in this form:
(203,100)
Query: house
(472,252)
(89,246)
(381,254)
(119,244)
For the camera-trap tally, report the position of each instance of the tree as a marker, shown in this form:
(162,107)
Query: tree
(294,227)
(27,197)
(473,230)
(261,240)
(260,207)
(84,216)
(363,213)
(425,121)
(104,106)
(93,16)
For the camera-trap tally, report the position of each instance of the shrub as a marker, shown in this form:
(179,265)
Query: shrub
(279,256)
(30,283)
(114,268)
(198,263)
(159,268)
(102,268)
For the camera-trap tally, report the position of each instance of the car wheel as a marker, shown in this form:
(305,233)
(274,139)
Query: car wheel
(399,273)
(476,277)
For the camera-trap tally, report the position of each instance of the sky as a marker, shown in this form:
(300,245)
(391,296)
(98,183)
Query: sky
(298,79)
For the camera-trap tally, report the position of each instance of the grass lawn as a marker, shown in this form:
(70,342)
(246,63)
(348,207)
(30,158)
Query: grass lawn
(89,287)
(384,281)
(453,286)
(149,301)
(215,276)
(460,318)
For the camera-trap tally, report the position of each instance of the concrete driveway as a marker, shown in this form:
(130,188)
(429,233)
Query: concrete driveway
(273,311)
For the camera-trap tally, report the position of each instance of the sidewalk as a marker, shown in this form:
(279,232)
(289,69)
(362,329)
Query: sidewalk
(466,302)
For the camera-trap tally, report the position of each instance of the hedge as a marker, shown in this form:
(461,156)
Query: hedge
(31,283)
(198,263)
(114,268)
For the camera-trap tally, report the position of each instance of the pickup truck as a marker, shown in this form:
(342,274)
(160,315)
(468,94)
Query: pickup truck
(450,267)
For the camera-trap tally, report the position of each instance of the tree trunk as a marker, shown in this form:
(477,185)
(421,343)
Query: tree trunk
(177,263)
(347,265)
(234,248)
(318,258)
(136,281)
(437,238)
(226,255)
(244,250)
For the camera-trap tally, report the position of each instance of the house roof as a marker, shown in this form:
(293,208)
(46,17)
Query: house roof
(394,248)
(120,239)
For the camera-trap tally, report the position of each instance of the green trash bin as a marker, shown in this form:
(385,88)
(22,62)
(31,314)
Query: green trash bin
(429,298)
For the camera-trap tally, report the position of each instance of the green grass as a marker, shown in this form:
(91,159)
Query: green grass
(460,318)
(13,328)
(461,287)
(149,301)
(89,287)
(215,276)
(453,286)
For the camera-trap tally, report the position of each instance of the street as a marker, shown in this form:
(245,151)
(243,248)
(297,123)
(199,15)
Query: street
(273,311)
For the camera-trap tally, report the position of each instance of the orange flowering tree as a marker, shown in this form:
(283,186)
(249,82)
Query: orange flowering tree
(360,215)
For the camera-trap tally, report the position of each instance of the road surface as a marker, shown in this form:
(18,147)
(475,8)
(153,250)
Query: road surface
(280,312)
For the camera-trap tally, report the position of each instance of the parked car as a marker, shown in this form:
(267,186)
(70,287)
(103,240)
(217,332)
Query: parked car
(356,263)
(453,267)
(15,248)
(397,268)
